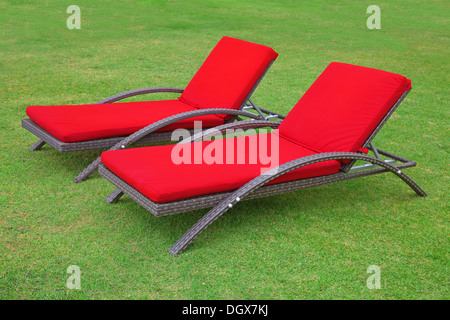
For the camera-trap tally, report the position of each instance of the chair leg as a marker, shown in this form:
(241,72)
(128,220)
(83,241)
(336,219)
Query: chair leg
(38,145)
(227,203)
(114,196)
(83,175)
(198,228)
(411,183)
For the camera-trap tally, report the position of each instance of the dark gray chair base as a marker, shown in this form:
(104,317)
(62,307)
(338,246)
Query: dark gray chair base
(221,202)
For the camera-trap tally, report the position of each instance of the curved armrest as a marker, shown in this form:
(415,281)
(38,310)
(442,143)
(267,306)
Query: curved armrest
(244,124)
(137,92)
(175,118)
(321,157)
(156,126)
(272,174)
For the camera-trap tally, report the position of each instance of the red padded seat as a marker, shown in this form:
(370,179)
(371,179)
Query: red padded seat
(152,172)
(223,81)
(75,123)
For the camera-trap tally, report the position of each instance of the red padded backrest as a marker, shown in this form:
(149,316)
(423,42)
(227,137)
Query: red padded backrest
(343,107)
(228,74)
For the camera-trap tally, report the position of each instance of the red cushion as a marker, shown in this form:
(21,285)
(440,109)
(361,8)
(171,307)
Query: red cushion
(343,107)
(73,123)
(151,170)
(228,74)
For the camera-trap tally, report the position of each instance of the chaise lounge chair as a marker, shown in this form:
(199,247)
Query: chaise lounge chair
(218,93)
(319,142)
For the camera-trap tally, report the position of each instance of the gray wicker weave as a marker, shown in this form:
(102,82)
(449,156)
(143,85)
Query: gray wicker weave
(207,201)
(256,188)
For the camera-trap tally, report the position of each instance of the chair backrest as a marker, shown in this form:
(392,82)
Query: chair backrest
(343,107)
(228,75)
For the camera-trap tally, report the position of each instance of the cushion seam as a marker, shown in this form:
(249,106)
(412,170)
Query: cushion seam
(297,143)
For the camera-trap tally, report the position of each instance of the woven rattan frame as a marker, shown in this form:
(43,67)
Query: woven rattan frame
(84,145)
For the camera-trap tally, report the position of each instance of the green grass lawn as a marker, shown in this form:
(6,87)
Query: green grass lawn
(310,244)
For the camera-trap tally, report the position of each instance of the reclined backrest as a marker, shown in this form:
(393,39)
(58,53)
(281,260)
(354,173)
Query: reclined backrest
(343,107)
(228,74)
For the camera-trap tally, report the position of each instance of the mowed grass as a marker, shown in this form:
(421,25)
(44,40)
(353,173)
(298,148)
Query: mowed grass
(310,244)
